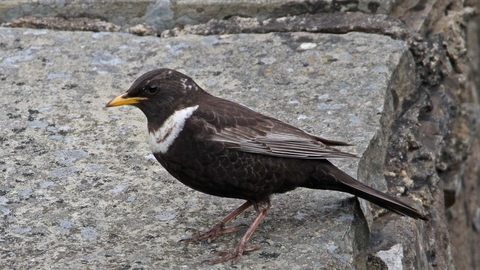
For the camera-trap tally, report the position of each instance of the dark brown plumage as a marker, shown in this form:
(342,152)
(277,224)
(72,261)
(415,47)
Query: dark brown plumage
(225,149)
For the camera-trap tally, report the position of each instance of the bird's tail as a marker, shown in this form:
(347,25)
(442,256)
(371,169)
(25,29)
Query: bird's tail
(332,178)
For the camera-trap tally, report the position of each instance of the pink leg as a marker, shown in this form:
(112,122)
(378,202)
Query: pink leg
(235,255)
(219,228)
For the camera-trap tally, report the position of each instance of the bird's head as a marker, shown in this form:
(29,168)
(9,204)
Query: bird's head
(160,92)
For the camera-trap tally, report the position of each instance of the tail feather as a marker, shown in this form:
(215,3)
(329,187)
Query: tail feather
(345,183)
(383,200)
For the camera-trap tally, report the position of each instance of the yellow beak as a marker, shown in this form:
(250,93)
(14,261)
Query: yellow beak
(122,100)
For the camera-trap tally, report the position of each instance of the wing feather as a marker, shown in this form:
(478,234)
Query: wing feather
(245,130)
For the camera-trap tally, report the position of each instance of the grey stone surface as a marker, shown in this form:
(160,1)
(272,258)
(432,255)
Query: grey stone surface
(335,23)
(79,188)
(166,14)
(118,12)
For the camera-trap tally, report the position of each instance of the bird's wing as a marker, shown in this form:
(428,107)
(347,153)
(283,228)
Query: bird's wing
(279,145)
(242,129)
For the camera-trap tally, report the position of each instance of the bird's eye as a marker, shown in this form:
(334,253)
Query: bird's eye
(152,89)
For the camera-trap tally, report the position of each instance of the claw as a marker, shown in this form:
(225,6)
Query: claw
(212,234)
(234,255)
(191,230)
(206,261)
(183,241)
(209,235)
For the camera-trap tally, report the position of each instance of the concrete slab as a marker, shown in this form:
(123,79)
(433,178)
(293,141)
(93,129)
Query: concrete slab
(79,188)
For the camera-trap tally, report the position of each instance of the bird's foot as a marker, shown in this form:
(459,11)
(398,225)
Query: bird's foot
(234,255)
(212,234)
